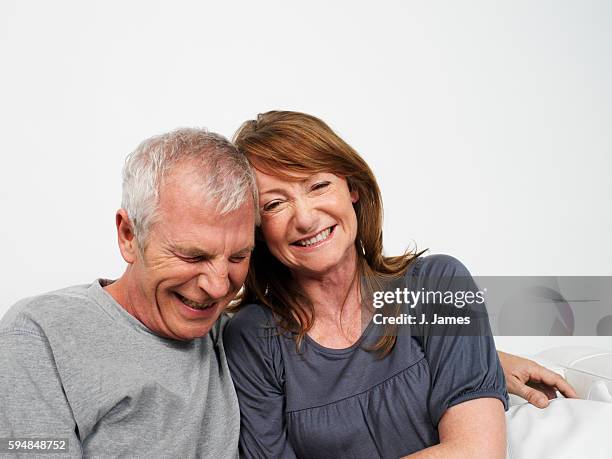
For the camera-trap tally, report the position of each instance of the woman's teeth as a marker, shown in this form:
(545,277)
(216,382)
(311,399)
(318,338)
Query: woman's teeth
(313,240)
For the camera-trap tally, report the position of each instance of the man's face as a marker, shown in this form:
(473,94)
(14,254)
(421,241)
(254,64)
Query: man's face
(194,263)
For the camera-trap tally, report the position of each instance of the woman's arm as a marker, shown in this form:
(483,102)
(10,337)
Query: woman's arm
(532,381)
(471,430)
(468,392)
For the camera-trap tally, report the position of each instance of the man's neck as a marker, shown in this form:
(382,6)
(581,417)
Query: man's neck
(120,291)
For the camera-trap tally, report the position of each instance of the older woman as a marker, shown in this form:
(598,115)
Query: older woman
(313,377)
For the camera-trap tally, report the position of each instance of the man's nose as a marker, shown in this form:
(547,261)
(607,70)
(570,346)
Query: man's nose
(215,281)
(305,216)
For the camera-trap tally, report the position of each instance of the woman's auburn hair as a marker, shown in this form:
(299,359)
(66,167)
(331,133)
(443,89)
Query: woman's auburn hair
(284,143)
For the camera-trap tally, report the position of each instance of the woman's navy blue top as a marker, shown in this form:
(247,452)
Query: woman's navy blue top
(350,403)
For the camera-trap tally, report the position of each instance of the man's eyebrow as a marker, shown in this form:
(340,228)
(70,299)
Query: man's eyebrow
(245,251)
(191,252)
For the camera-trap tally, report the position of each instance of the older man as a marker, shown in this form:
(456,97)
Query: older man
(136,367)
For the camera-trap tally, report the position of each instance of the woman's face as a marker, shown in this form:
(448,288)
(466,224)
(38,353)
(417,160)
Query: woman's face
(309,224)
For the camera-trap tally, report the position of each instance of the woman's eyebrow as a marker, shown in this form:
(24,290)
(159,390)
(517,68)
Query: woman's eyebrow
(273,191)
(302,182)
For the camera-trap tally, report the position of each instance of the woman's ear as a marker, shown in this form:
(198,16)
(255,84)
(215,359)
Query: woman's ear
(353,192)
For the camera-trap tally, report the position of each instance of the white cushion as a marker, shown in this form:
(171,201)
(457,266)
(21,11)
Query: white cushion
(565,429)
(587,369)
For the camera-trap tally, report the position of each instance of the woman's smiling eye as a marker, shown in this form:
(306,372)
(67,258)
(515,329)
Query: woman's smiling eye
(272,206)
(319,186)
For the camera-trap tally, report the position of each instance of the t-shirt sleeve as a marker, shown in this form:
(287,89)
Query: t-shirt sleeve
(462,358)
(255,363)
(32,401)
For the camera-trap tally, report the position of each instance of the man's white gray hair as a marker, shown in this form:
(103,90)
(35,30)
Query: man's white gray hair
(226,176)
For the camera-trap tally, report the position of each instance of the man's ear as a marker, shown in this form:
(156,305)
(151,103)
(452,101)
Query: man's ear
(125,236)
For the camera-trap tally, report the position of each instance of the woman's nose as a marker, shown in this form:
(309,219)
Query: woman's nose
(305,216)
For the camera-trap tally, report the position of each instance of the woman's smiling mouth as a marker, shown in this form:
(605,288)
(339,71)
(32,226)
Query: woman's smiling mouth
(315,240)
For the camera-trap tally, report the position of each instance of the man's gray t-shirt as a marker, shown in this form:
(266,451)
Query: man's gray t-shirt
(76,365)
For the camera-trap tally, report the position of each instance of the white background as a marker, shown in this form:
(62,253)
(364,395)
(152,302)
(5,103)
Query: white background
(488,124)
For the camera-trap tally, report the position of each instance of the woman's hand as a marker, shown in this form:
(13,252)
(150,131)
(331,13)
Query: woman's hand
(532,381)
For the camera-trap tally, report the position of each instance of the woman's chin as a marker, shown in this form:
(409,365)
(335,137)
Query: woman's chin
(317,270)
(321,265)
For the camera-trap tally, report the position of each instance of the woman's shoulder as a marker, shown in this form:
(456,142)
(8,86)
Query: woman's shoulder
(251,342)
(251,311)
(438,265)
(250,321)
(438,271)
